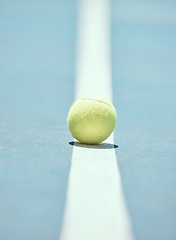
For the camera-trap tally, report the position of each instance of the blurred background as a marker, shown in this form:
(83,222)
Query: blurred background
(37,83)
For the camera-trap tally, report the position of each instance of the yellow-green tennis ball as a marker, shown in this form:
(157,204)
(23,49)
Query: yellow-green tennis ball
(91,119)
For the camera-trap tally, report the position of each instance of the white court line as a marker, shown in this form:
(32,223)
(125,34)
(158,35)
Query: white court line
(95,206)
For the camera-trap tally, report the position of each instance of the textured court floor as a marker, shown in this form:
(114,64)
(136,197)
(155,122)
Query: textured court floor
(37,87)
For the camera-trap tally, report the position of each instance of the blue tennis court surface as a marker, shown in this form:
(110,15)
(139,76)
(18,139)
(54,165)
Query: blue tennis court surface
(144,79)
(37,83)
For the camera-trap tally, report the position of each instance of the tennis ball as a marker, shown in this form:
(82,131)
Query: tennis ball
(91,119)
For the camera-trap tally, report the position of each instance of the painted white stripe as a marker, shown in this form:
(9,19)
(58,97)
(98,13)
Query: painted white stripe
(94,58)
(95,206)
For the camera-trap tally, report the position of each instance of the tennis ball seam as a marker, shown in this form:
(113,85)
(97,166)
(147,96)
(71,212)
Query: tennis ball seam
(89,99)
